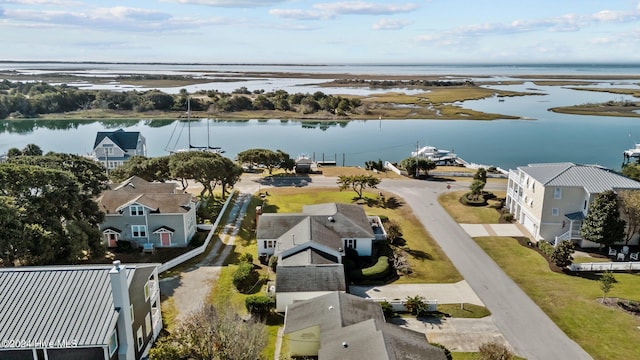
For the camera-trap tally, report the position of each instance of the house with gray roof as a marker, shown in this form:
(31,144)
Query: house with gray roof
(93,312)
(303,282)
(342,326)
(114,148)
(551,200)
(330,228)
(147,214)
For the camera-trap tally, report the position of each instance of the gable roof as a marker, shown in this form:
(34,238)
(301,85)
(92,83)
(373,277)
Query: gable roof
(309,255)
(60,303)
(123,139)
(593,178)
(310,278)
(326,224)
(377,340)
(330,311)
(138,185)
(112,202)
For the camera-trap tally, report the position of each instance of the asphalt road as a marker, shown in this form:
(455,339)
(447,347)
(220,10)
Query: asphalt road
(525,326)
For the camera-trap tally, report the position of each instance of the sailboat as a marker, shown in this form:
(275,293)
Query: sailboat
(208,148)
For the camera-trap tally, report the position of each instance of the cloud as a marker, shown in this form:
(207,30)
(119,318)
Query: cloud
(390,24)
(299,14)
(41,2)
(229,3)
(364,8)
(117,18)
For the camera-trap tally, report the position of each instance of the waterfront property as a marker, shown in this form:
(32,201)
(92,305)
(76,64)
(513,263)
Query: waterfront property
(114,148)
(147,214)
(551,200)
(94,312)
(343,326)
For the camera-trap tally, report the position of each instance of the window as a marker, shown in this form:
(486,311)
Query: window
(138,231)
(140,338)
(268,244)
(147,324)
(555,212)
(557,193)
(131,311)
(352,243)
(585,205)
(136,210)
(113,343)
(146,291)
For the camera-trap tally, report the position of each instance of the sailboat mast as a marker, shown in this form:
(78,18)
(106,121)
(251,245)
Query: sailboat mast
(189,118)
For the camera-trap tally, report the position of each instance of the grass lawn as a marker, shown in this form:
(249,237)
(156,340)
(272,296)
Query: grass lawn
(427,260)
(471,214)
(570,301)
(470,311)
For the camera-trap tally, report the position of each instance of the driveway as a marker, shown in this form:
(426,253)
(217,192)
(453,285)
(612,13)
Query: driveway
(524,325)
(456,293)
(476,230)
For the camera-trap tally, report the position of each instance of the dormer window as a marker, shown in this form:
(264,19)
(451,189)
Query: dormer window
(136,210)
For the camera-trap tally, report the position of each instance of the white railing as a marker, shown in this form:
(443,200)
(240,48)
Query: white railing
(390,166)
(606,266)
(200,249)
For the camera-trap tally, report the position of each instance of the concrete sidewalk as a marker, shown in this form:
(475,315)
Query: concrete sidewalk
(455,293)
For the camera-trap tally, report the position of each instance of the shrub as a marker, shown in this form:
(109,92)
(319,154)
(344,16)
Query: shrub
(494,351)
(273,262)
(562,254)
(546,248)
(393,231)
(447,352)
(507,217)
(387,309)
(468,199)
(246,257)
(259,304)
(245,277)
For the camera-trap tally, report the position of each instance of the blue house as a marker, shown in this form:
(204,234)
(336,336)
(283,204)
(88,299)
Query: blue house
(113,148)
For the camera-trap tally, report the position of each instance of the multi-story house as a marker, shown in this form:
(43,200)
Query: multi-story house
(148,214)
(93,312)
(551,200)
(113,148)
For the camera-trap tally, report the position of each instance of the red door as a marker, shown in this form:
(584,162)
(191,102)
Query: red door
(112,239)
(165,239)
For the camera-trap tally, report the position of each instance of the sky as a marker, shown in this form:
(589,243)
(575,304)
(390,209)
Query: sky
(321,32)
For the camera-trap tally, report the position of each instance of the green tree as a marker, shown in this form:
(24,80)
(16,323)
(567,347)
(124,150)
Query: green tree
(268,158)
(606,283)
(13,152)
(245,277)
(32,150)
(260,305)
(413,166)
(476,187)
(602,224)
(631,171)
(415,304)
(562,254)
(630,208)
(357,183)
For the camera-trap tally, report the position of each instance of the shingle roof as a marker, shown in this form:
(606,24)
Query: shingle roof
(377,340)
(330,311)
(310,278)
(58,303)
(308,256)
(112,201)
(124,139)
(594,179)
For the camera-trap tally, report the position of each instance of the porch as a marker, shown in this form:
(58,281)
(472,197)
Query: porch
(574,221)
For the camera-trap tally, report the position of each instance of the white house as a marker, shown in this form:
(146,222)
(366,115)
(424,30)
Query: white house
(113,148)
(551,200)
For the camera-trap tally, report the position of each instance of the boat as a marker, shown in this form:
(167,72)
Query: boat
(633,153)
(439,156)
(208,148)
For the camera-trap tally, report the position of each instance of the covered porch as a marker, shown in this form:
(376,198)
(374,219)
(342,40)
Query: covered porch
(574,223)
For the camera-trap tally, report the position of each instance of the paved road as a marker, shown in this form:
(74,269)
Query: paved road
(525,326)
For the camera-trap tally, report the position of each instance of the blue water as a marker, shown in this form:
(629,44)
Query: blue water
(547,137)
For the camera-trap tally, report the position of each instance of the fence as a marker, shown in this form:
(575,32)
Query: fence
(390,166)
(606,266)
(200,249)
(401,305)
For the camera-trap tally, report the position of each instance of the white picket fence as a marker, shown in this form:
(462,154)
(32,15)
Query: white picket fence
(200,249)
(606,266)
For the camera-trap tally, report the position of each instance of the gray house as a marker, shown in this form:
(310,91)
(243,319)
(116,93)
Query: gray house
(343,326)
(95,312)
(113,148)
(148,214)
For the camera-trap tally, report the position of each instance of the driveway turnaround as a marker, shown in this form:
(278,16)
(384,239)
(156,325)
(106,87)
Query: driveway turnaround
(524,325)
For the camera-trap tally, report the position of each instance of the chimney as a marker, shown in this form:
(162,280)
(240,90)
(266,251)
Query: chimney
(121,302)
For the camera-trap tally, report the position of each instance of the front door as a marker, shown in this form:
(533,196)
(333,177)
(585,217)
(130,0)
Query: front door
(165,239)
(112,240)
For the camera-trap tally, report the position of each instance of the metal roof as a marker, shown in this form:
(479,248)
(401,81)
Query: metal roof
(58,304)
(593,178)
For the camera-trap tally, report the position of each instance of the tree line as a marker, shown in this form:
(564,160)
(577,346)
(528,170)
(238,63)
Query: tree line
(28,100)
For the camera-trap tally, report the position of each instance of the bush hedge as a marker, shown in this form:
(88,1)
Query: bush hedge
(259,304)
(245,277)
(467,199)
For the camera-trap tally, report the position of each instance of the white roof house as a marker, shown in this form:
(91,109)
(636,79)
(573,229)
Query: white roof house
(551,200)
